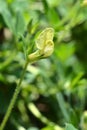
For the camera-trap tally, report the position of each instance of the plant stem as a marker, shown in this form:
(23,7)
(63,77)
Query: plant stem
(13,100)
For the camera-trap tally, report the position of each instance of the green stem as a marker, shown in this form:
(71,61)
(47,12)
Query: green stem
(13,100)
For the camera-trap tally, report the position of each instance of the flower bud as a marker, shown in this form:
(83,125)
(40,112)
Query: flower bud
(44,44)
(49,48)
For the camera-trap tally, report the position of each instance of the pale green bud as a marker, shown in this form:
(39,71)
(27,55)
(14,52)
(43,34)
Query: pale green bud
(44,44)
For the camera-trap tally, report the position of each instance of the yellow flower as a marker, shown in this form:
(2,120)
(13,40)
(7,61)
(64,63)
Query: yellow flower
(44,44)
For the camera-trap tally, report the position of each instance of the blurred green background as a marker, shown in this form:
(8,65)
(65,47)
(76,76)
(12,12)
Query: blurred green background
(54,90)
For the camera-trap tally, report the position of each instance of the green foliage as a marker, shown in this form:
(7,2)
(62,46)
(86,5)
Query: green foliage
(70,127)
(54,90)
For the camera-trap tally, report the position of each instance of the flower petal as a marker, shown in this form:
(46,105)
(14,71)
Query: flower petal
(44,36)
(49,48)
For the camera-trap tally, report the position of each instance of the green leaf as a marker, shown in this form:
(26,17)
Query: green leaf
(2,6)
(70,127)
(32,128)
(6,14)
(53,3)
(53,17)
(20,24)
(62,106)
(52,127)
(8,19)
(62,52)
